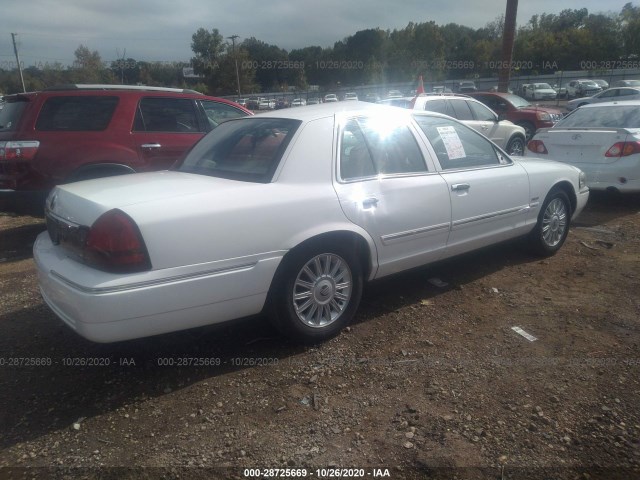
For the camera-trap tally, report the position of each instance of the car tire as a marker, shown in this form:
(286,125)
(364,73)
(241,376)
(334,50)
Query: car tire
(529,130)
(552,227)
(316,292)
(516,146)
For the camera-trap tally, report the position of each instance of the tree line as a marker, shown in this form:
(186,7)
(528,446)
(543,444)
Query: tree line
(572,40)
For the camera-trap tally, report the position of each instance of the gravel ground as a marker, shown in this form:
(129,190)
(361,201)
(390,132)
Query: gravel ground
(429,382)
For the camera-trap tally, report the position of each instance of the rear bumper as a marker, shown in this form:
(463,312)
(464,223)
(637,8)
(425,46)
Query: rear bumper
(104,308)
(622,175)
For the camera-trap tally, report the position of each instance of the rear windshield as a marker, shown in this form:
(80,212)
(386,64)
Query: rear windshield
(612,116)
(76,113)
(246,149)
(10,114)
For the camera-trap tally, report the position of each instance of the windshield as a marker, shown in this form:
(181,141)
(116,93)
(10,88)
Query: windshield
(247,149)
(542,86)
(608,116)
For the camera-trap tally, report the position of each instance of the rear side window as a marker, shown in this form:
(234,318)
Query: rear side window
(76,113)
(372,146)
(248,149)
(10,115)
(439,106)
(160,114)
(461,110)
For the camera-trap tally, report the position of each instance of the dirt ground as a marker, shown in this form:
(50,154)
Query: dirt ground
(429,382)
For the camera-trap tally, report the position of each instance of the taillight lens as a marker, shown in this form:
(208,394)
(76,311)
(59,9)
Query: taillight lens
(536,146)
(19,150)
(114,243)
(623,149)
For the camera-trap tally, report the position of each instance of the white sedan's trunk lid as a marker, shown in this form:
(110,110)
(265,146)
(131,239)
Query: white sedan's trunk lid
(576,146)
(83,202)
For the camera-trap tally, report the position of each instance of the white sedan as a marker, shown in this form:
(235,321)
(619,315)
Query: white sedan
(289,213)
(602,139)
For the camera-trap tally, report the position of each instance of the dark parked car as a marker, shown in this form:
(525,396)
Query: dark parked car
(519,111)
(80,132)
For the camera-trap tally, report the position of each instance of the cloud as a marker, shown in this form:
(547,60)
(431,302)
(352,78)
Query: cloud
(161,30)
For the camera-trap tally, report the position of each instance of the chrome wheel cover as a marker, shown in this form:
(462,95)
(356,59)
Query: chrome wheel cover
(554,222)
(322,290)
(517,148)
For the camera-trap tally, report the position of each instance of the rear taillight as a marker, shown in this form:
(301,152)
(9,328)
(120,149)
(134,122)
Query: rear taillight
(19,150)
(623,149)
(114,244)
(536,146)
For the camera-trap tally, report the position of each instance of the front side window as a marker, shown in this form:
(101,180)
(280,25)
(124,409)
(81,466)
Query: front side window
(248,149)
(481,112)
(218,112)
(378,146)
(458,146)
(163,114)
(76,113)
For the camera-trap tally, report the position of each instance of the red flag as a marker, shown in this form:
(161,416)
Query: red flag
(420,88)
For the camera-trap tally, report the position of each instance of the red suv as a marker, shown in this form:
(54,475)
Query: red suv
(519,111)
(80,132)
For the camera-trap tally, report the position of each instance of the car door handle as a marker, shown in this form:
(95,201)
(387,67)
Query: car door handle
(151,145)
(458,187)
(370,202)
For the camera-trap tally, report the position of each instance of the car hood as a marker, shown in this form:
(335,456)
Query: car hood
(83,202)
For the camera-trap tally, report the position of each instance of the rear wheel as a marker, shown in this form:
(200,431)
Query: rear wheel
(516,146)
(552,228)
(529,129)
(317,293)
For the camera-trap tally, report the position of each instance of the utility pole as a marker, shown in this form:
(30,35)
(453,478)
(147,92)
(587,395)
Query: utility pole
(508,37)
(15,49)
(233,41)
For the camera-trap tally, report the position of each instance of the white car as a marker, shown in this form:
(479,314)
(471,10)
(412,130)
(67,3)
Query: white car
(330,97)
(290,213)
(539,91)
(298,102)
(478,116)
(350,96)
(602,139)
(610,95)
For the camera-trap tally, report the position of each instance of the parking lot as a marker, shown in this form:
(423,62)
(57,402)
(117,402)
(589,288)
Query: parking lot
(430,380)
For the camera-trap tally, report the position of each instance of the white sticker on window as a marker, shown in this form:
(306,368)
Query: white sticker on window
(452,142)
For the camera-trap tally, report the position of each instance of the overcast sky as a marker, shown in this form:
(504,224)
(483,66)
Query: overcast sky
(160,30)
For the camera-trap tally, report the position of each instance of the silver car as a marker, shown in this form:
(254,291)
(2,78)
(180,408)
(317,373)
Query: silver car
(611,95)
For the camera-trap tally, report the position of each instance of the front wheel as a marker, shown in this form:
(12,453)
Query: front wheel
(317,293)
(553,224)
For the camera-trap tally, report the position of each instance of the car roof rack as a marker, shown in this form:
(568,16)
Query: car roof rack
(97,86)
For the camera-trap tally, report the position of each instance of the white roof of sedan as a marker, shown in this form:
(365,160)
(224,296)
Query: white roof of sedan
(312,112)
